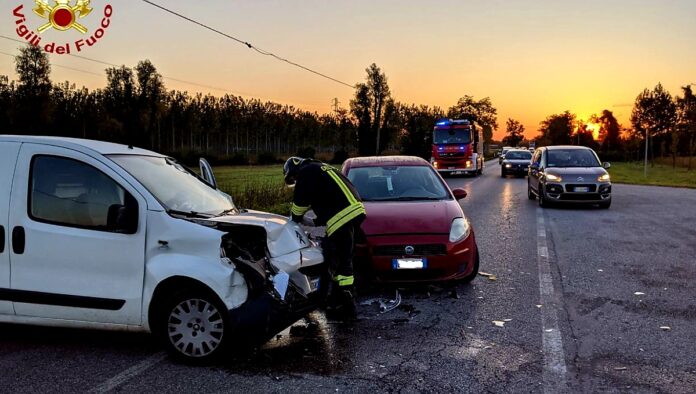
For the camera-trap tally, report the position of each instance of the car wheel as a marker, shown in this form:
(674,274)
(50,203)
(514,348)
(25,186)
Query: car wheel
(605,205)
(194,326)
(474,272)
(542,199)
(530,194)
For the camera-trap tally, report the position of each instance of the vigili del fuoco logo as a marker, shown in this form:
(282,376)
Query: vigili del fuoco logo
(61,16)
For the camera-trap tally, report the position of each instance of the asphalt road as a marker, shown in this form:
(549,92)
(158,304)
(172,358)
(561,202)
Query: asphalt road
(582,294)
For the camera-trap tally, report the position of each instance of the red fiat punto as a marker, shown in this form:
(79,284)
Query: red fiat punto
(415,228)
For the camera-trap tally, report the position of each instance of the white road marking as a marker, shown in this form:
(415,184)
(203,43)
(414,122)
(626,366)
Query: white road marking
(129,373)
(554,372)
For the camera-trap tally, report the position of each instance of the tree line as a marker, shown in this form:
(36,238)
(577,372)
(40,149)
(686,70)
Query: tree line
(136,108)
(667,123)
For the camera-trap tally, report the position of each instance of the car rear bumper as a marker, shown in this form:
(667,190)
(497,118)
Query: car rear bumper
(449,261)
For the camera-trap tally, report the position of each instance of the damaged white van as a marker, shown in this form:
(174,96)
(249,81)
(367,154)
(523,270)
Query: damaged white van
(99,235)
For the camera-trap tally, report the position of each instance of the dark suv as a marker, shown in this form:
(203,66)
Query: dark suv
(568,174)
(515,162)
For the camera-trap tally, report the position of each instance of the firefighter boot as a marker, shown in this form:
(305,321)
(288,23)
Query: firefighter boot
(341,304)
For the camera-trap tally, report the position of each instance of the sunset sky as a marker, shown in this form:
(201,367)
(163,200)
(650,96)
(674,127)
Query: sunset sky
(532,58)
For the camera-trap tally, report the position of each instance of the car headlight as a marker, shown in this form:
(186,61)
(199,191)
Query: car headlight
(460,229)
(508,165)
(553,178)
(604,178)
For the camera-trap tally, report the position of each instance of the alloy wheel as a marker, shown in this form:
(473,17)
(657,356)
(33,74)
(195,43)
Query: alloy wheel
(195,328)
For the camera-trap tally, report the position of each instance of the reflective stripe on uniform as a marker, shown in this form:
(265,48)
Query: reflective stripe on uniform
(343,217)
(298,210)
(344,280)
(349,213)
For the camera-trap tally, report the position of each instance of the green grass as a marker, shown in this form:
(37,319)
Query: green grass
(659,175)
(258,187)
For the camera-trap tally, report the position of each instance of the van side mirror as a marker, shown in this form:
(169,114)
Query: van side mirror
(207,172)
(459,194)
(606,165)
(123,219)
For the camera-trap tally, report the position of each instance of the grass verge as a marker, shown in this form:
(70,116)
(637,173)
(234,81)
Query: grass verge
(259,187)
(659,175)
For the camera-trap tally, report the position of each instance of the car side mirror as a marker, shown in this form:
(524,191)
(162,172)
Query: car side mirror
(123,219)
(459,194)
(606,165)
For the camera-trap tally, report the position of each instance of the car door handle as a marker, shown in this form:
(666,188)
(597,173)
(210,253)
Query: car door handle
(2,239)
(18,240)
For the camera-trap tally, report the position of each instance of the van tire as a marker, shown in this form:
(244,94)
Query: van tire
(193,325)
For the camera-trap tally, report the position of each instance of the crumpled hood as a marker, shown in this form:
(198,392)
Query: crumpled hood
(570,174)
(284,235)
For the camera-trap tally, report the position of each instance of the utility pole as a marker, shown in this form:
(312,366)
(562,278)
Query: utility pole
(645,164)
(335,105)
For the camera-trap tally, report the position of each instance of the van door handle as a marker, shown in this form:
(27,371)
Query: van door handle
(18,240)
(2,239)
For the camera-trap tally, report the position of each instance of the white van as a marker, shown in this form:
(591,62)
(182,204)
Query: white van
(99,235)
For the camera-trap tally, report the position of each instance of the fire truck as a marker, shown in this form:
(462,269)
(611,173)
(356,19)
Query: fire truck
(457,147)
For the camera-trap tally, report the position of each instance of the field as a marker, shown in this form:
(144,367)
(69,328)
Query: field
(258,187)
(659,175)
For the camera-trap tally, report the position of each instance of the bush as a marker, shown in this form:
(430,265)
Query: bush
(263,196)
(265,158)
(237,159)
(306,153)
(339,157)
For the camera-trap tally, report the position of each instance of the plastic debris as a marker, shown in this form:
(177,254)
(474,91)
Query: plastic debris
(549,330)
(538,306)
(492,278)
(507,320)
(390,305)
(666,328)
(600,270)
(620,368)
(486,274)
(638,293)
(499,323)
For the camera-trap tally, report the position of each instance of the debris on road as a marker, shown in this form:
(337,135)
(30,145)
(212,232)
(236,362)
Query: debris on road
(489,276)
(600,270)
(538,306)
(499,323)
(666,328)
(549,330)
(385,305)
(620,368)
(638,293)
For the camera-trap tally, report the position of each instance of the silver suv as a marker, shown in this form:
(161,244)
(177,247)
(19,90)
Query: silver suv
(569,174)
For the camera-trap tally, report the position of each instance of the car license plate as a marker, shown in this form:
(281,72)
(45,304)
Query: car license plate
(450,168)
(409,264)
(583,189)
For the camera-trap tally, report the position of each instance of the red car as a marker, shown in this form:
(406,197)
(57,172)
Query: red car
(415,228)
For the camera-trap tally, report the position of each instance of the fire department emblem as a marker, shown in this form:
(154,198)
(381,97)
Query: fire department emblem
(62,15)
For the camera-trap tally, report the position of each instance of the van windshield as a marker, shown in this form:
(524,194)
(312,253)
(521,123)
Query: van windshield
(175,186)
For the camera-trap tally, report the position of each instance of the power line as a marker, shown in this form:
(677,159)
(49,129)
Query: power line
(247,44)
(164,76)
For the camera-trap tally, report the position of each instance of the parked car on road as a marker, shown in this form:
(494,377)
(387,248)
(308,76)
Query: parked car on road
(515,162)
(568,174)
(415,229)
(99,235)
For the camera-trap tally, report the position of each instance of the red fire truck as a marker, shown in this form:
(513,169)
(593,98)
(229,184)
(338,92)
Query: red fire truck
(457,147)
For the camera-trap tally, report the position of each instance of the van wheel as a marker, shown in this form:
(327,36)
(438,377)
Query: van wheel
(193,326)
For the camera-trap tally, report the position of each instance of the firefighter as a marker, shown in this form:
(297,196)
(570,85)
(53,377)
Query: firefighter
(337,206)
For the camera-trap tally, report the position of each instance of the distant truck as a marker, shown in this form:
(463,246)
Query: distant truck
(457,147)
